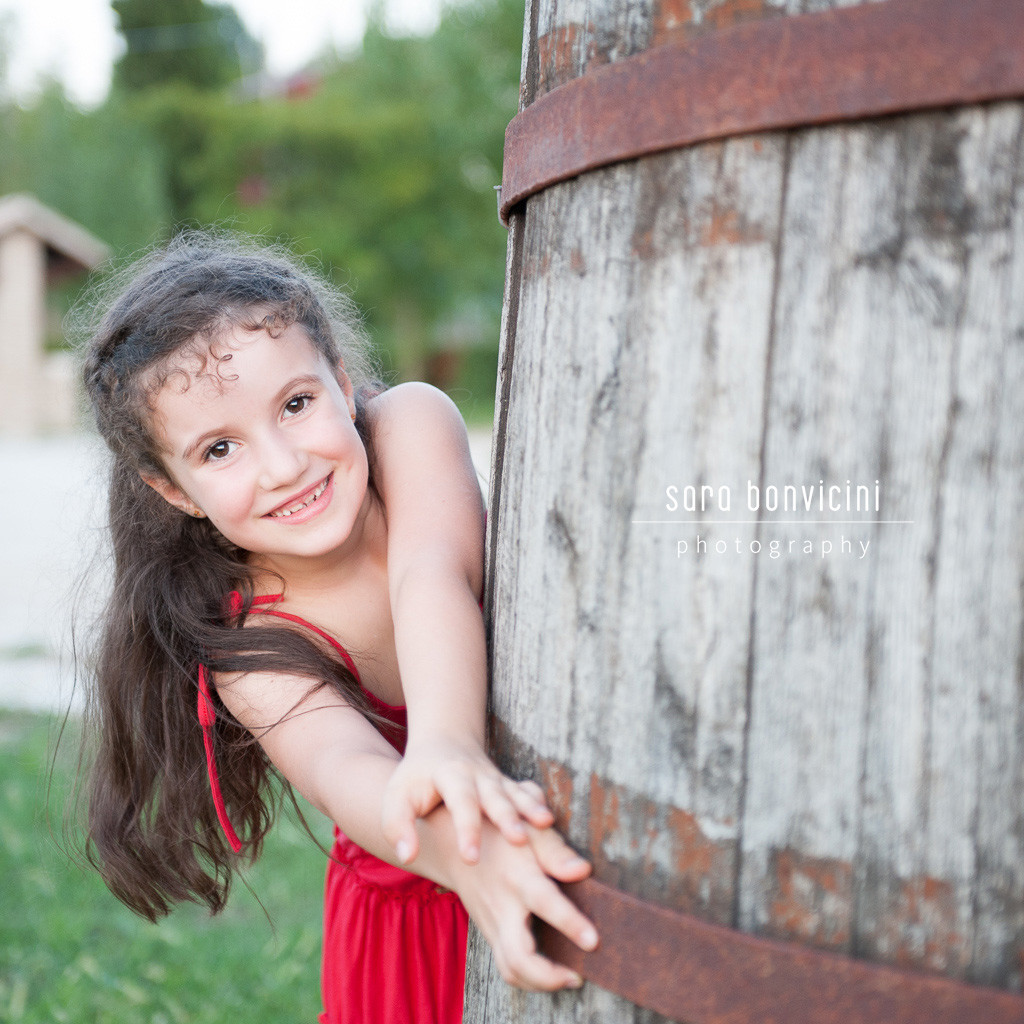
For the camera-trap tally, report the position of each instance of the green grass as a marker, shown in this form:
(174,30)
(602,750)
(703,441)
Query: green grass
(71,952)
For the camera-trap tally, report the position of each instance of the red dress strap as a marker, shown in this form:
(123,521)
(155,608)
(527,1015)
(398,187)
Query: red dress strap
(270,599)
(207,716)
(207,712)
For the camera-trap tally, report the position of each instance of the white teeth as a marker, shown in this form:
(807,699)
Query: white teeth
(303,504)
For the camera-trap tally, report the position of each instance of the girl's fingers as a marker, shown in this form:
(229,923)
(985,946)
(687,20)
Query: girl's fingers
(529,788)
(496,804)
(552,905)
(528,799)
(461,799)
(404,801)
(536,973)
(556,858)
(521,965)
(398,822)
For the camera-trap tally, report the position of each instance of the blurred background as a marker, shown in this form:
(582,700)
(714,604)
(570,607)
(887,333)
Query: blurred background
(375,152)
(366,135)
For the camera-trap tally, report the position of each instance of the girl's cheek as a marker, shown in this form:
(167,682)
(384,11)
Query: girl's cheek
(242,503)
(234,503)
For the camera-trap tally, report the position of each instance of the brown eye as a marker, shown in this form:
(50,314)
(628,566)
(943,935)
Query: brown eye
(297,404)
(220,449)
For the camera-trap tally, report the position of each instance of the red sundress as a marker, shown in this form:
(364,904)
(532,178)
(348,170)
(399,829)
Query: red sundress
(394,949)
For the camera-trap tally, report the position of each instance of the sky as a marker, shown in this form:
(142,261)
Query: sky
(76,40)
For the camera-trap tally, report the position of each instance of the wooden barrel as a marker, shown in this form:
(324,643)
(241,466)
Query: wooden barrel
(756,554)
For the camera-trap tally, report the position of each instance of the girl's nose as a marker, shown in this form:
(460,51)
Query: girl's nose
(281,462)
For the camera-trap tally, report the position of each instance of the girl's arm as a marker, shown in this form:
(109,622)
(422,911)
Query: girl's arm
(342,765)
(435,519)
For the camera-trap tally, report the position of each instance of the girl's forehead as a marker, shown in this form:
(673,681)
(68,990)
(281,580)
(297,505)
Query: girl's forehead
(212,359)
(200,358)
(224,379)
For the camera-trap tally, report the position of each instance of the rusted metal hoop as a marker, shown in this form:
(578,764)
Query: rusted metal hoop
(689,970)
(786,72)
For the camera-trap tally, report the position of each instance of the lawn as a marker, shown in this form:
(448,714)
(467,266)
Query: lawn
(70,952)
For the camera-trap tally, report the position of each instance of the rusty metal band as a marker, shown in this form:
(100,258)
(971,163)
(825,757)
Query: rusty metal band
(689,970)
(857,62)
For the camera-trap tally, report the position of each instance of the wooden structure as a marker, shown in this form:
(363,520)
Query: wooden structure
(38,247)
(798,713)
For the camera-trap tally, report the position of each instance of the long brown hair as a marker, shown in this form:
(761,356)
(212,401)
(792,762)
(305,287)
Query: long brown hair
(152,827)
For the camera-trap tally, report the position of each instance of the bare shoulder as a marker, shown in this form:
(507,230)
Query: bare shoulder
(424,473)
(292,715)
(414,410)
(419,440)
(259,698)
(304,729)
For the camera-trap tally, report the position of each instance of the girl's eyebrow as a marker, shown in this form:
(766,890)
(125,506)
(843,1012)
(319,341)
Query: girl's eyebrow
(304,380)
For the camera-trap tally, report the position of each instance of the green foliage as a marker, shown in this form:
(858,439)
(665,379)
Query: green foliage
(6,27)
(190,42)
(386,172)
(69,952)
(384,169)
(100,168)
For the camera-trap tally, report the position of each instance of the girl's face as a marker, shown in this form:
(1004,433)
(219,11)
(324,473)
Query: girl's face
(257,433)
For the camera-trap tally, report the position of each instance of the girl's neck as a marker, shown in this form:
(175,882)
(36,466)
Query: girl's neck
(307,580)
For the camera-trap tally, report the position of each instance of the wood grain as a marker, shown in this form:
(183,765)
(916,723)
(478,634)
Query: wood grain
(823,749)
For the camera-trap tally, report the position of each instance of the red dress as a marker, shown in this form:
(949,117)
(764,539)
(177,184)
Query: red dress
(394,947)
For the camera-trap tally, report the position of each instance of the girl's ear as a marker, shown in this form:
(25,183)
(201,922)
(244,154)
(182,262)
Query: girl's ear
(345,382)
(171,493)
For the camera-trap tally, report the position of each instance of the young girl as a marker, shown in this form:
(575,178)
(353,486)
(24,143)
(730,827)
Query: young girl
(298,563)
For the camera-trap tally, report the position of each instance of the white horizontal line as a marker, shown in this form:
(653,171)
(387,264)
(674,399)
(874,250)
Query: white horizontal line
(769,522)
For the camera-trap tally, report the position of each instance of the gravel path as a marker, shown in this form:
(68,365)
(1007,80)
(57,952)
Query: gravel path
(52,561)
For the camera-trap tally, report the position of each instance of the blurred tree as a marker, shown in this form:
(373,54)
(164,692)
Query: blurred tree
(100,168)
(385,170)
(187,41)
(6,29)
(382,166)
(6,113)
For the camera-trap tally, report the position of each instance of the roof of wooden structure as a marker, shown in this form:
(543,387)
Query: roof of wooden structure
(65,241)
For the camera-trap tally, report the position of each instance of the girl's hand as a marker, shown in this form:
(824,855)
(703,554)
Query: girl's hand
(511,883)
(459,774)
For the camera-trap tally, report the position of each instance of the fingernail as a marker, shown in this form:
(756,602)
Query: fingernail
(588,940)
(472,853)
(403,850)
(575,981)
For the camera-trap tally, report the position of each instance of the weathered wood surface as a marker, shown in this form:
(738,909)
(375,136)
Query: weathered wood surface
(828,749)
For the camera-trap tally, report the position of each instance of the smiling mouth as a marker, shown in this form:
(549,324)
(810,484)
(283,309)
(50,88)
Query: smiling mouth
(300,505)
